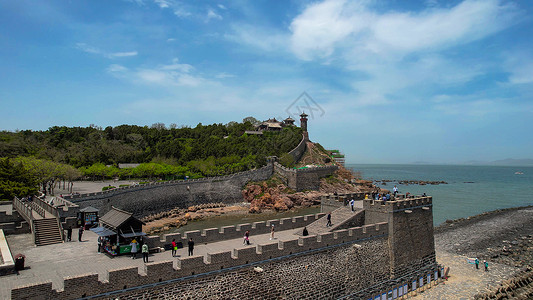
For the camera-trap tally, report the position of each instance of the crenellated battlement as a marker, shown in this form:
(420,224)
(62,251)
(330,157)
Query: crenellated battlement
(232,232)
(400,204)
(121,279)
(303,179)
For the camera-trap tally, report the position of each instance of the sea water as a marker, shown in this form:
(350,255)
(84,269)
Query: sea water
(470,190)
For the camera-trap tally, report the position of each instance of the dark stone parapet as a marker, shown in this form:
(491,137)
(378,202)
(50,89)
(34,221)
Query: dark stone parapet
(223,261)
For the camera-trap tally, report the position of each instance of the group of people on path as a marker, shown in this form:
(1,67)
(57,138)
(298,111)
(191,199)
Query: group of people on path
(174,246)
(69,234)
(485,263)
(135,248)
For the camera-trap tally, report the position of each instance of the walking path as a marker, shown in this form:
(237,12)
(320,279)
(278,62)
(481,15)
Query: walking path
(54,262)
(338,218)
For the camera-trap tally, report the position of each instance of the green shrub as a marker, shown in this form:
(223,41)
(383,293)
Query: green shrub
(109,187)
(287,160)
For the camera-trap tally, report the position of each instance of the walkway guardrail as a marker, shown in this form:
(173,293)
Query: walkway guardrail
(26,212)
(53,210)
(46,206)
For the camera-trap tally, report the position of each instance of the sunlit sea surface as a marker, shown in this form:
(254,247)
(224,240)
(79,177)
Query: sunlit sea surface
(471,190)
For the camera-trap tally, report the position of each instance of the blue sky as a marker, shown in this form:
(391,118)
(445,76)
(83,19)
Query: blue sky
(390,81)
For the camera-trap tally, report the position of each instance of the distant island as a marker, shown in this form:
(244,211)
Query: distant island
(525,162)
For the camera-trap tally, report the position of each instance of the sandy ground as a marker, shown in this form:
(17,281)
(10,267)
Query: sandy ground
(166,223)
(503,238)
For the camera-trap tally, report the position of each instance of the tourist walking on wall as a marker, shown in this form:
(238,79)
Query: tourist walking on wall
(305,232)
(486,265)
(395,191)
(69,234)
(80,233)
(329,220)
(174,247)
(477,263)
(352,203)
(272,232)
(191,246)
(246,238)
(134,245)
(144,250)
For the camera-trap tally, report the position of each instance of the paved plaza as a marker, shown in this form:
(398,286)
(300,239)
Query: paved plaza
(54,262)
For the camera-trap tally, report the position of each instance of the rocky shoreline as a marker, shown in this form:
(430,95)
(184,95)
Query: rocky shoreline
(503,237)
(408,182)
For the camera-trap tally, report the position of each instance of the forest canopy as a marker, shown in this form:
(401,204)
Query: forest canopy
(205,150)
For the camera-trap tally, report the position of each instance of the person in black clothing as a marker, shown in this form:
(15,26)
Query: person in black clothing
(305,232)
(191,246)
(69,234)
(329,220)
(80,233)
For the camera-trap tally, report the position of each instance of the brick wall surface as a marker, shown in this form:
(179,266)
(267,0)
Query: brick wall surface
(88,285)
(327,274)
(148,199)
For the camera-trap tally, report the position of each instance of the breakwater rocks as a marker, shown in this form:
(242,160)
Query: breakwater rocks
(409,182)
(502,236)
(518,287)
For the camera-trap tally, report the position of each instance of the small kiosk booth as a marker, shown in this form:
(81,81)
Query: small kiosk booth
(118,228)
(88,217)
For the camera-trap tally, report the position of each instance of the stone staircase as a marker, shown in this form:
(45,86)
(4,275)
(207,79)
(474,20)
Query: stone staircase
(47,232)
(341,218)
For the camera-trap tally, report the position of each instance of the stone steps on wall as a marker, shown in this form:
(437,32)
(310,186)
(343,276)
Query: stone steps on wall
(47,232)
(339,217)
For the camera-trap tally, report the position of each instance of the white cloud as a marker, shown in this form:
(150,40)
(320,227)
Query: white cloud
(182,12)
(211,14)
(520,68)
(94,50)
(122,54)
(185,68)
(221,6)
(89,49)
(169,75)
(224,75)
(402,55)
(162,3)
(257,37)
(114,68)
(318,30)
(333,25)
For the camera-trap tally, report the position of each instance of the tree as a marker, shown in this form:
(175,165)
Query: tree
(252,120)
(15,180)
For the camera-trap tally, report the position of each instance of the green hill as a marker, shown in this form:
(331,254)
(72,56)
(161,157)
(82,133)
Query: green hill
(205,150)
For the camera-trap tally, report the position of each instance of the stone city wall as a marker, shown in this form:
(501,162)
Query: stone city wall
(143,200)
(13,223)
(411,237)
(303,179)
(330,202)
(324,266)
(232,232)
(299,151)
(153,198)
